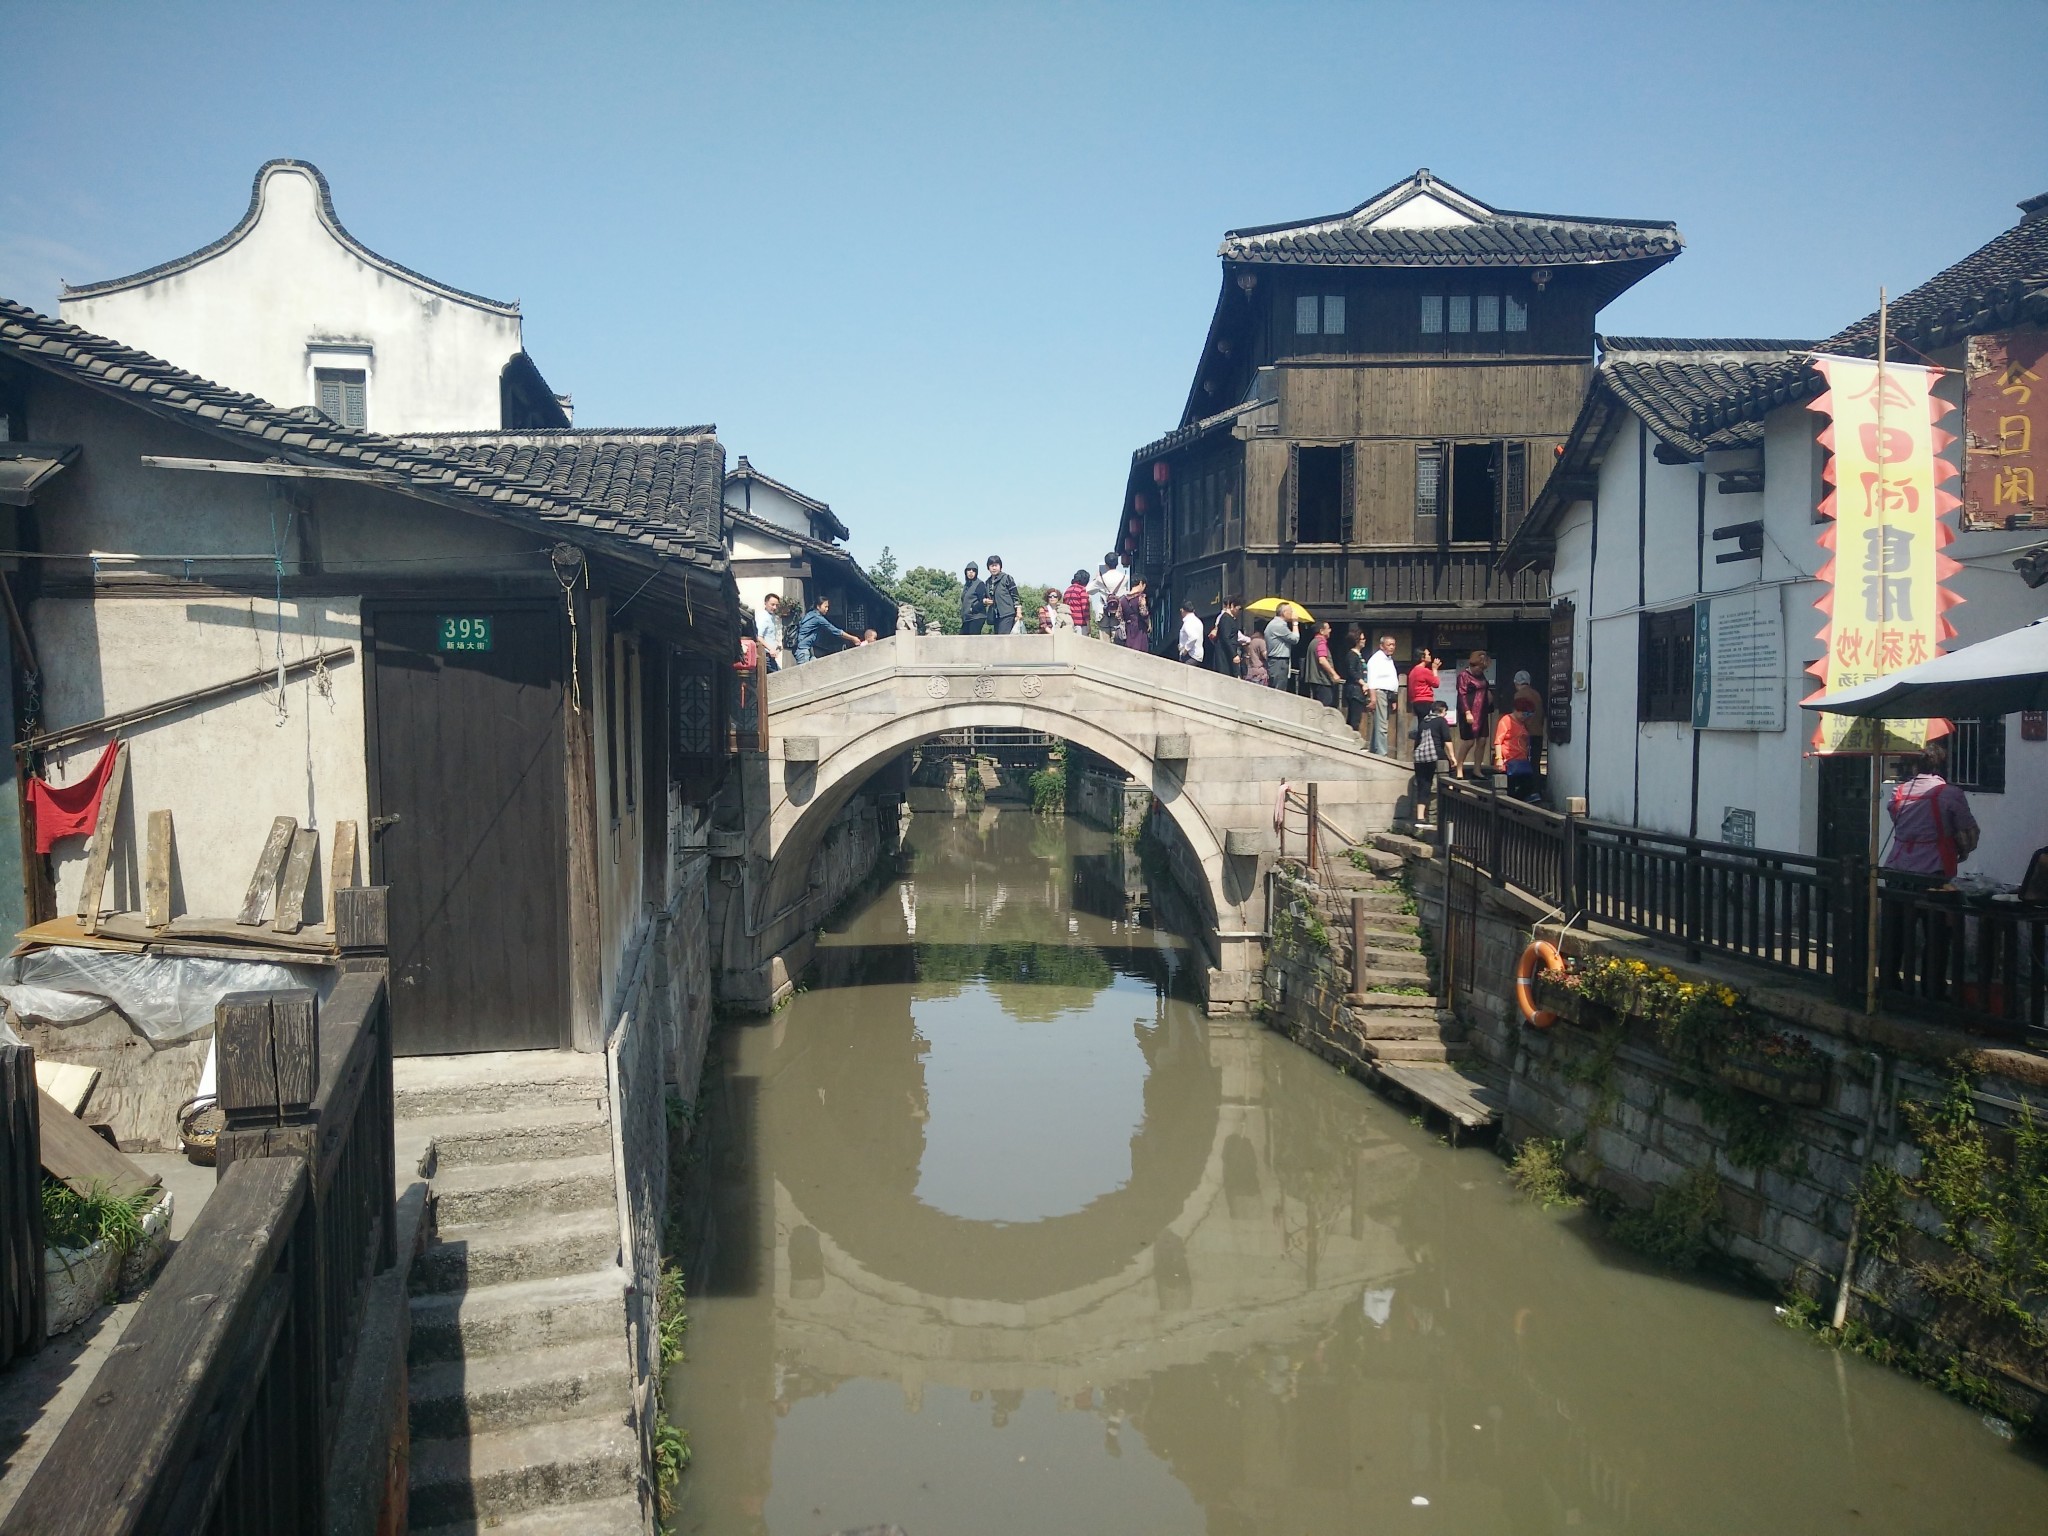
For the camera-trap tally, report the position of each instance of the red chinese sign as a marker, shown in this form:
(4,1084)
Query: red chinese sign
(2005,421)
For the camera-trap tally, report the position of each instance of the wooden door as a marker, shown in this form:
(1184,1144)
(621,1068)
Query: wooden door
(468,812)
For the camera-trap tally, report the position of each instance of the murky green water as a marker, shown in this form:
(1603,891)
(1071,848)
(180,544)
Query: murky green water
(1010,1238)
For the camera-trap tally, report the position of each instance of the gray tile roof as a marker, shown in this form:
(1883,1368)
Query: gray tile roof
(667,475)
(1669,380)
(2001,282)
(744,471)
(1365,236)
(436,471)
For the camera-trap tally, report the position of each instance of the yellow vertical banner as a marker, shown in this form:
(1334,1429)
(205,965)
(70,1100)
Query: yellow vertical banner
(1883,529)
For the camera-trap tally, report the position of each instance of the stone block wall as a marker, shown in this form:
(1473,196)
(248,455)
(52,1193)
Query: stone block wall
(1105,798)
(1308,968)
(1635,1120)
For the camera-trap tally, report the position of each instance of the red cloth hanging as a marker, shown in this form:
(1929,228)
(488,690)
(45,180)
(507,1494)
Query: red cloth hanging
(69,809)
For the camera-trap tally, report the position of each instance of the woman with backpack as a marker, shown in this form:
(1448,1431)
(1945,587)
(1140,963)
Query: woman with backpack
(1431,736)
(1932,828)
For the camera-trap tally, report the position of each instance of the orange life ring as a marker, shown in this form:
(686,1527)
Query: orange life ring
(1552,963)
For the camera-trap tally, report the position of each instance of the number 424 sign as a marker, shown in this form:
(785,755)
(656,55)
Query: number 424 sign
(458,632)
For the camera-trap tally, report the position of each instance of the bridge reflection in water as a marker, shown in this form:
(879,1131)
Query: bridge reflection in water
(1004,1235)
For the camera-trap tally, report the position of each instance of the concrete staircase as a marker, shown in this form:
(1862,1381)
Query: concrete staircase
(1394,1026)
(520,1385)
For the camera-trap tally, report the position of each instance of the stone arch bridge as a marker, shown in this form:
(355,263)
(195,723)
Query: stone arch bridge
(1213,750)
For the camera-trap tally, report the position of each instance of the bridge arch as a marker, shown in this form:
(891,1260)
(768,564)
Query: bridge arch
(807,800)
(1215,752)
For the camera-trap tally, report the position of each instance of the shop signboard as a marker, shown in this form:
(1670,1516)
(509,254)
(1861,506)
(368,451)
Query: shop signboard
(1882,533)
(2005,416)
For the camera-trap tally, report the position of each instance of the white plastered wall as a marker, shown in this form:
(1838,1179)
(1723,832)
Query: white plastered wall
(246,317)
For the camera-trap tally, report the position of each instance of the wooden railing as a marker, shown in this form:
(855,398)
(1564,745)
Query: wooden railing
(1966,960)
(1422,578)
(217,1412)
(21,1207)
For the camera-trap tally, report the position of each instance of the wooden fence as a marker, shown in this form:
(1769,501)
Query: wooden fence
(218,1411)
(1972,961)
(21,1207)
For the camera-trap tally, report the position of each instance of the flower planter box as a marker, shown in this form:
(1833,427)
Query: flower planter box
(1576,1008)
(77,1282)
(1795,1081)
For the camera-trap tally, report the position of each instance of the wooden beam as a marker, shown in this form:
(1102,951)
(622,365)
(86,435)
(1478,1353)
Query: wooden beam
(74,1154)
(269,867)
(586,1027)
(297,879)
(274,469)
(94,888)
(107,724)
(341,871)
(156,876)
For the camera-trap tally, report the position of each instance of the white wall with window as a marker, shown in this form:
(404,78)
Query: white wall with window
(288,306)
(1634,580)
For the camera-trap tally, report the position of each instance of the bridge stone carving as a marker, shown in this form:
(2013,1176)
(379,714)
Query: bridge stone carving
(1213,750)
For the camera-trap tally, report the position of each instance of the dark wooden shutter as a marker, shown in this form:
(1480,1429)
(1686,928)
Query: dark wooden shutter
(330,398)
(1514,490)
(1291,513)
(353,412)
(1347,492)
(1429,493)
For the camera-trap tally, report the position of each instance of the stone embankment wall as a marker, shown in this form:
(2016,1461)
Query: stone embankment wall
(1919,1144)
(1105,798)
(1308,968)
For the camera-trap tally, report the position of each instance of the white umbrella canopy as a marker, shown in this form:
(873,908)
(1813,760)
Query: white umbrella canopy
(1998,676)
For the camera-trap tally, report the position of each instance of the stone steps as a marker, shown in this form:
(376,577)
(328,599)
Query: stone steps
(502,1191)
(578,1129)
(491,1252)
(465,1398)
(511,1471)
(618,1516)
(518,1315)
(520,1389)
(497,1082)
(1410,1050)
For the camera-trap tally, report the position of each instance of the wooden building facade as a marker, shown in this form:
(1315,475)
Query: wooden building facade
(1380,397)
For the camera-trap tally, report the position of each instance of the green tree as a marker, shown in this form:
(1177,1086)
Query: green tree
(884,572)
(934,593)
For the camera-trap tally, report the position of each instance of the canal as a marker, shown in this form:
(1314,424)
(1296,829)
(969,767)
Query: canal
(1002,1234)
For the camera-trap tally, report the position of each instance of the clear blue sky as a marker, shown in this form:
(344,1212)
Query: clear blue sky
(945,266)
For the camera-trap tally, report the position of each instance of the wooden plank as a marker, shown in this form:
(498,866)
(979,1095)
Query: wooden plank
(295,1042)
(1472,1102)
(341,868)
(297,880)
(66,1082)
(73,1153)
(245,1063)
(94,887)
(230,931)
(269,866)
(244,954)
(362,917)
(156,874)
(105,725)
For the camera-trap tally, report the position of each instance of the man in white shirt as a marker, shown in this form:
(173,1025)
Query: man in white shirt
(1190,634)
(1110,583)
(1382,685)
(769,630)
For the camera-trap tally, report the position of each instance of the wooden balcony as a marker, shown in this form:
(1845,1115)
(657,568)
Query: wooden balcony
(1445,581)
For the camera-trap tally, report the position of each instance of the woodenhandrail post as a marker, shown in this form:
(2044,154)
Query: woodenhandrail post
(1568,865)
(1313,840)
(1691,872)
(1358,942)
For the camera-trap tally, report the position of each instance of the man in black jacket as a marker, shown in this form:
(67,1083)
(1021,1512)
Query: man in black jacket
(1002,596)
(973,601)
(1225,654)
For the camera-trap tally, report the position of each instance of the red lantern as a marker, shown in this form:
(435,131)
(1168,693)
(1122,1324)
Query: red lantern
(1140,502)
(1135,525)
(1130,546)
(1161,472)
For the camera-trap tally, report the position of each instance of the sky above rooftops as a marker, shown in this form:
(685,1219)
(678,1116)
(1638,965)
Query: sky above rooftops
(945,266)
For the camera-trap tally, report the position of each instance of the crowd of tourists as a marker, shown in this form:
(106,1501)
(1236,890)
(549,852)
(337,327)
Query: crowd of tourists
(1460,726)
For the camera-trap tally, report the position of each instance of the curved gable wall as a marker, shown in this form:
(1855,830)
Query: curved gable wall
(244,313)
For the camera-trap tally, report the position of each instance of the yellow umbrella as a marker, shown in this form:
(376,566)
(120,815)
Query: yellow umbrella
(1266,607)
